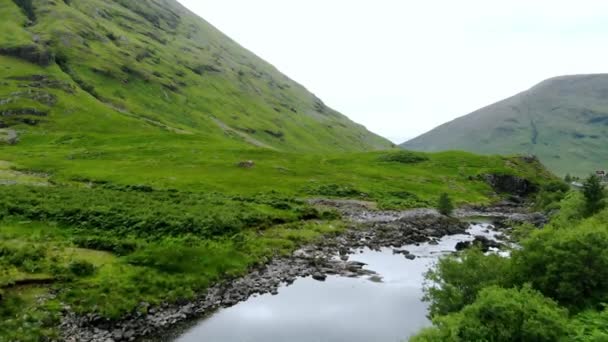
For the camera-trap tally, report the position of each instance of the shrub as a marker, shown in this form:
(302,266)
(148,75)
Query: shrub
(28,257)
(404,157)
(550,194)
(456,280)
(139,213)
(502,315)
(119,246)
(81,268)
(568,265)
(594,195)
(444,205)
(589,326)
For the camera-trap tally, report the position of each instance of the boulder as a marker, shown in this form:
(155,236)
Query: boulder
(319,276)
(248,164)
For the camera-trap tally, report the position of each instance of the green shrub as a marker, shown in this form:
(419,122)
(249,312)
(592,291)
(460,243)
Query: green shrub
(81,268)
(550,195)
(404,157)
(146,214)
(119,246)
(589,326)
(594,193)
(456,280)
(502,315)
(444,205)
(28,258)
(569,265)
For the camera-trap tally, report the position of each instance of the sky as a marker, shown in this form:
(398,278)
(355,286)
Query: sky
(403,67)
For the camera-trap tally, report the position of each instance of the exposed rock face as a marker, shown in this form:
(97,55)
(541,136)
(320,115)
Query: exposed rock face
(31,53)
(502,183)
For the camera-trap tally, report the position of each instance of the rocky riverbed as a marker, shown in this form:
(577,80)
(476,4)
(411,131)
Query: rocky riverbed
(332,256)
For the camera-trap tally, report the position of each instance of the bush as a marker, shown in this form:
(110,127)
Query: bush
(149,214)
(550,195)
(456,280)
(594,195)
(589,326)
(502,315)
(28,257)
(568,265)
(118,246)
(81,268)
(444,205)
(404,157)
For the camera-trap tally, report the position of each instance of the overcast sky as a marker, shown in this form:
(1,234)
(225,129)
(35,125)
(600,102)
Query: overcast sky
(402,67)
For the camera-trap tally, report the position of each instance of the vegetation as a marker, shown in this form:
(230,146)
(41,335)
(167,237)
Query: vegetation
(553,288)
(153,72)
(445,205)
(502,315)
(560,120)
(594,192)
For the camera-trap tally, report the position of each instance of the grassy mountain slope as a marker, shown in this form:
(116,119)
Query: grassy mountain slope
(155,70)
(563,120)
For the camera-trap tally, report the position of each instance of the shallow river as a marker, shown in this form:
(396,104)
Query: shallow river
(339,309)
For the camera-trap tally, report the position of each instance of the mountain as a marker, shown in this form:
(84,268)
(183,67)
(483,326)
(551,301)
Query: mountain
(154,70)
(563,121)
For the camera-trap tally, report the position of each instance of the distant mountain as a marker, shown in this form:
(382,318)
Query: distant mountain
(563,121)
(152,67)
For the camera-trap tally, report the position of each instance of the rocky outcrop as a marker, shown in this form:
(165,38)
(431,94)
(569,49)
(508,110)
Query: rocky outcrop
(482,242)
(31,53)
(9,136)
(504,183)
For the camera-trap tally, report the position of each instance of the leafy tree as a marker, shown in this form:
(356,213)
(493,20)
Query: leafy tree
(502,315)
(589,326)
(444,205)
(594,195)
(568,265)
(568,178)
(456,280)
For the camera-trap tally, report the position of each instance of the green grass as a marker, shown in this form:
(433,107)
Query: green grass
(153,70)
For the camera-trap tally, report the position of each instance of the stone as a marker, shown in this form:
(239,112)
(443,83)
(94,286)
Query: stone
(246,164)
(319,276)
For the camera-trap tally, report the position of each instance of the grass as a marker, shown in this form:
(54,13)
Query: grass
(156,70)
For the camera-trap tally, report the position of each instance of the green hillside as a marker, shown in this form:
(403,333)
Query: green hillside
(563,121)
(152,69)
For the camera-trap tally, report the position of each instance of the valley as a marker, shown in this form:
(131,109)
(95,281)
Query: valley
(159,182)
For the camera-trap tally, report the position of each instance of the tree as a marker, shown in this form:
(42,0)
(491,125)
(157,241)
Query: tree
(567,264)
(456,280)
(593,189)
(444,205)
(502,315)
(568,178)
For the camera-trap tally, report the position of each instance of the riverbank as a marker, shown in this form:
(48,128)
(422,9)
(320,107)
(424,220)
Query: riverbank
(367,229)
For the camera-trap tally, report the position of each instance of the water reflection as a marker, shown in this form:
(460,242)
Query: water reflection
(340,309)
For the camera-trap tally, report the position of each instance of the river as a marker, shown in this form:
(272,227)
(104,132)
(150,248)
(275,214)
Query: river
(340,308)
